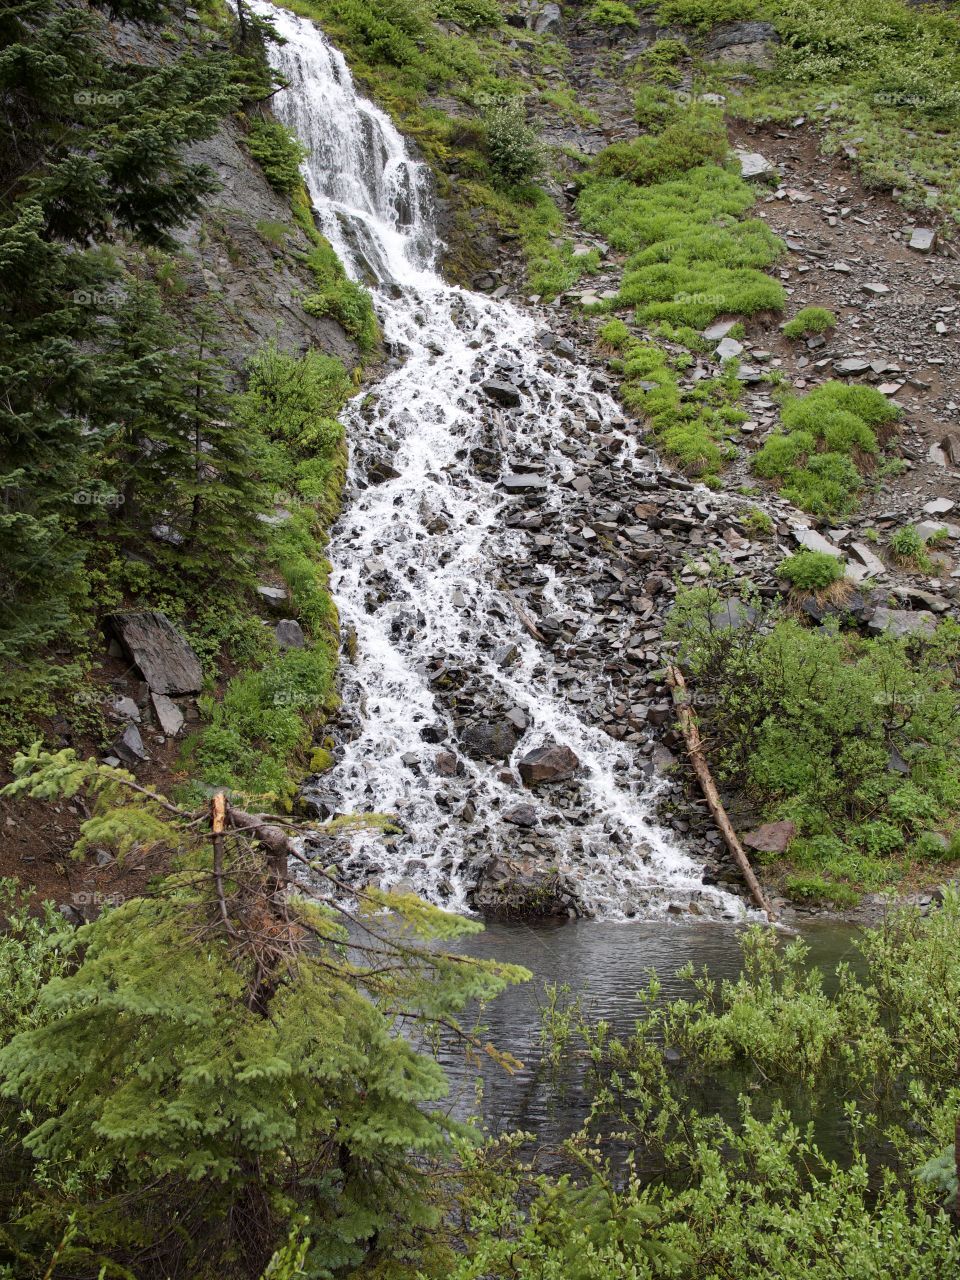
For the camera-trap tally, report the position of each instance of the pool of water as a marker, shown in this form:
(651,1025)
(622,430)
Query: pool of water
(606,964)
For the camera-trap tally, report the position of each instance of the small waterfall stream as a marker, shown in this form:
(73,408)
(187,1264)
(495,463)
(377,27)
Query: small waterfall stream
(426,544)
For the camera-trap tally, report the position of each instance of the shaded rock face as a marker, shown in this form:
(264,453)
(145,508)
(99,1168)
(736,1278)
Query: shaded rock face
(154,645)
(488,741)
(523,888)
(751,42)
(548,764)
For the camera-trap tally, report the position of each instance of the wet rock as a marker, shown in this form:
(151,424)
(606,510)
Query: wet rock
(289,634)
(524,483)
(522,888)
(521,815)
(164,658)
(379,471)
(445,764)
(548,764)
(504,393)
(772,837)
(489,741)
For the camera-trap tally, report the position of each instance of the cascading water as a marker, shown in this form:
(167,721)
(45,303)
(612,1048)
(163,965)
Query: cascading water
(427,544)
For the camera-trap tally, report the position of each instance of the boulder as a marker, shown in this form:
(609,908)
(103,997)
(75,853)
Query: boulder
(129,747)
(548,764)
(154,645)
(753,164)
(522,888)
(751,42)
(902,622)
(547,21)
(521,815)
(289,634)
(923,239)
(772,837)
(488,741)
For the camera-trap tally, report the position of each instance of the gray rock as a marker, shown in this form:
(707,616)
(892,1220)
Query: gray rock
(548,21)
(521,815)
(752,164)
(164,658)
(732,615)
(923,239)
(288,634)
(810,540)
(548,764)
(126,709)
(523,888)
(275,598)
(524,482)
(847,368)
(504,393)
(871,563)
(938,507)
(130,746)
(751,42)
(489,741)
(902,622)
(772,837)
(727,348)
(169,715)
(719,329)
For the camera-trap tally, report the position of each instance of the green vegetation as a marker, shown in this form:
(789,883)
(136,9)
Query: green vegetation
(809,321)
(612,13)
(512,144)
(198,1069)
(691,425)
(811,570)
(908,548)
(278,152)
(340,297)
(856,741)
(759,523)
(829,439)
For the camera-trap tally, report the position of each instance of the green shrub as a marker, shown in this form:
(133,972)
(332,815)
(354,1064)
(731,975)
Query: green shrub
(612,13)
(909,548)
(471,14)
(341,298)
(817,889)
(758,523)
(810,320)
(687,142)
(279,153)
(614,334)
(811,570)
(513,145)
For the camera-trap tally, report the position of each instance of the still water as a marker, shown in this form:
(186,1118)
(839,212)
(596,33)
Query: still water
(606,964)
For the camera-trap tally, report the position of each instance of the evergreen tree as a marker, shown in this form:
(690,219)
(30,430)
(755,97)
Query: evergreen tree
(227,1056)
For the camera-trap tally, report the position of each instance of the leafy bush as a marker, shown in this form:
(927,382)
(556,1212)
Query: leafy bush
(811,570)
(612,13)
(513,145)
(909,548)
(810,320)
(279,153)
(471,14)
(686,142)
(341,298)
(803,722)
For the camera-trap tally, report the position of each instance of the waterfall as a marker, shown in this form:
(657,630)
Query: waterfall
(427,541)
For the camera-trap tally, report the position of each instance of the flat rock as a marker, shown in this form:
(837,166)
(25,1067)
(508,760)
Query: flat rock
(872,563)
(772,837)
(846,368)
(810,540)
(523,482)
(130,746)
(162,655)
(727,348)
(902,622)
(751,42)
(938,507)
(548,764)
(753,164)
(521,815)
(718,330)
(169,716)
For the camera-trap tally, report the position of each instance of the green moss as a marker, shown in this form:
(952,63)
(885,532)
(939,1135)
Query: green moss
(810,320)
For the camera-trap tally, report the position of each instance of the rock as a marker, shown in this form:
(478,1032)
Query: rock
(810,540)
(548,763)
(751,42)
(874,286)
(772,837)
(289,634)
(950,444)
(732,615)
(130,746)
(922,239)
(752,164)
(719,329)
(379,471)
(126,709)
(872,563)
(727,348)
(521,815)
(504,393)
(274,598)
(487,741)
(902,622)
(521,888)
(847,368)
(938,507)
(548,20)
(164,658)
(169,716)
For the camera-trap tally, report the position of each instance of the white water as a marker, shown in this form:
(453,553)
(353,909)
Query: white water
(419,560)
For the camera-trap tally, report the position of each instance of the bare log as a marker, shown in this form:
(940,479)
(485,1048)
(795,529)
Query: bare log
(691,733)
